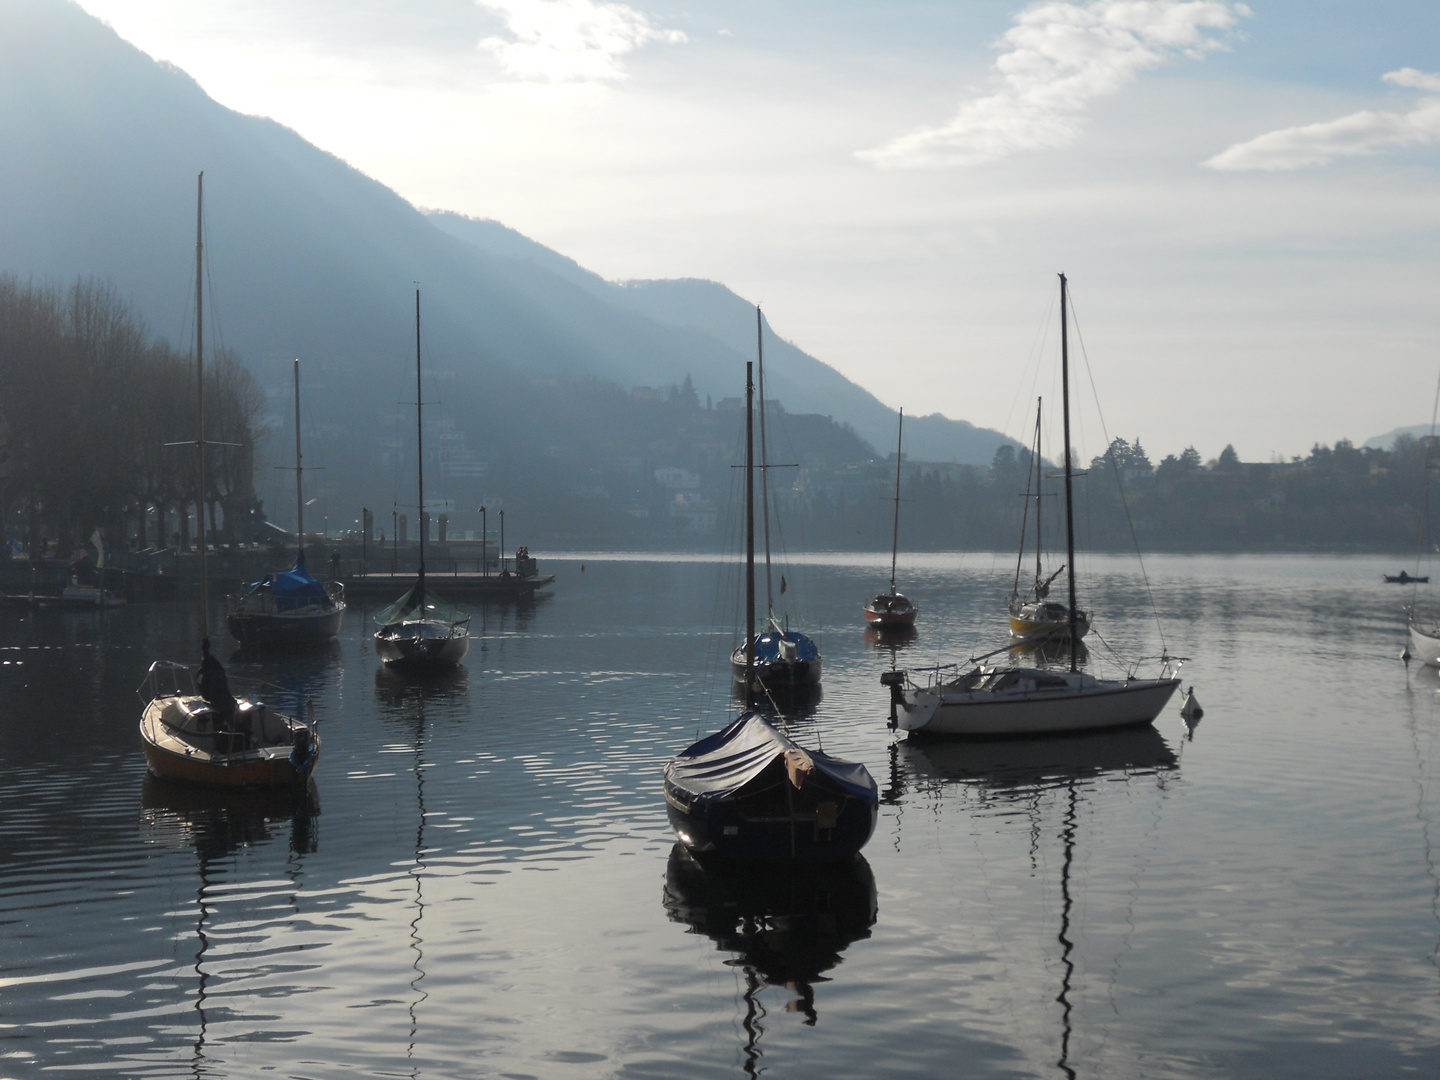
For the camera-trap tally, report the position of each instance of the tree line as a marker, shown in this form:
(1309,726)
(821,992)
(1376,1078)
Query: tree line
(89,406)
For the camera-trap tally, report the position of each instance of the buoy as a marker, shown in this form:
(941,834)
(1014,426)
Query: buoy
(1405,654)
(1191,710)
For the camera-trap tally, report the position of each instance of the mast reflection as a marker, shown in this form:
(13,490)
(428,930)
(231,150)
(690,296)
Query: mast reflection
(1019,771)
(787,925)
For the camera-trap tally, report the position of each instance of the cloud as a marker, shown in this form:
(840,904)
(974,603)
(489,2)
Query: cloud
(567,41)
(1366,132)
(1057,58)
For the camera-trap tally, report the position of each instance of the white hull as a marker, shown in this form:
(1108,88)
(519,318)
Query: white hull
(427,644)
(1081,704)
(1425,644)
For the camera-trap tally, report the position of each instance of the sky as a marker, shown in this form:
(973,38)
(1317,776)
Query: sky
(1243,195)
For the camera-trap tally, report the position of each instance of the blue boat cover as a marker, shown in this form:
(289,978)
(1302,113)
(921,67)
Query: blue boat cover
(293,588)
(767,646)
(719,765)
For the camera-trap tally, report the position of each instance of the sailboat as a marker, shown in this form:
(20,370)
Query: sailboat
(778,658)
(749,792)
(1033,616)
(290,607)
(420,630)
(186,737)
(893,609)
(1008,700)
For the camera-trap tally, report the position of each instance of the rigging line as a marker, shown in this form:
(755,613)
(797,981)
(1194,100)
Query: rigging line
(1031,370)
(1115,467)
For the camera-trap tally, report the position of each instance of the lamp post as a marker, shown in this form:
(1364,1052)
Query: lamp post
(502,541)
(484,566)
(394,540)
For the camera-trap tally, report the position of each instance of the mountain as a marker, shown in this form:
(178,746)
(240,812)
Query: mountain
(1386,441)
(308,257)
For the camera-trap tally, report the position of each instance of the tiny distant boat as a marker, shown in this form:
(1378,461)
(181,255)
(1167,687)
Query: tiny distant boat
(291,607)
(750,793)
(89,596)
(1034,617)
(783,660)
(892,609)
(420,631)
(1403,578)
(187,740)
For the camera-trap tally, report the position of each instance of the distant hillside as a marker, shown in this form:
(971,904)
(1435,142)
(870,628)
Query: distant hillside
(308,257)
(801,382)
(1386,441)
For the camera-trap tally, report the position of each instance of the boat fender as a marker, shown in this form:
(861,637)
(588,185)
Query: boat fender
(1191,710)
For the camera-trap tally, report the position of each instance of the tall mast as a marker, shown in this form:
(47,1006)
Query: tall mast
(749,532)
(764,461)
(299,499)
(1039,403)
(200,397)
(419,444)
(1069,500)
(895,530)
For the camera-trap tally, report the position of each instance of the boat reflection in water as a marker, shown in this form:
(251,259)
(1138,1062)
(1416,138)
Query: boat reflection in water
(787,925)
(217,823)
(1018,771)
(397,689)
(1048,652)
(890,637)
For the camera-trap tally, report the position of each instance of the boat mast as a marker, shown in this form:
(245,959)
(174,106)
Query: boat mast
(895,530)
(1069,500)
(420,453)
(200,398)
(749,533)
(1039,402)
(764,461)
(299,499)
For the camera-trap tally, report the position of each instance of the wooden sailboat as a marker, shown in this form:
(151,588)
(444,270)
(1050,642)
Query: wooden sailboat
(420,630)
(291,607)
(1008,700)
(893,609)
(778,658)
(1034,617)
(211,738)
(749,792)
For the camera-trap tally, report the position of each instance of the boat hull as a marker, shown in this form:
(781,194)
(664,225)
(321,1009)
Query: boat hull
(203,758)
(890,610)
(1031,629)
(426,646)
(820,827)
(779,674)
(285,628)
(1425,644)
(934,711)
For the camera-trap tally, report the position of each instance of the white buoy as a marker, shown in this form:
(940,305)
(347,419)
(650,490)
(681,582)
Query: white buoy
(1191,710)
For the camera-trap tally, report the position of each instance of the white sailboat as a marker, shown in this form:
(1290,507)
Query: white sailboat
(1009,700)
(420,630)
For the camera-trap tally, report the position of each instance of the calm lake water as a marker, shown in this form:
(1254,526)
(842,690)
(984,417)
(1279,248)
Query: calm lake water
(484,884)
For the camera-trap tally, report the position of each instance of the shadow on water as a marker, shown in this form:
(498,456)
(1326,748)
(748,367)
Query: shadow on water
(790,704)
(217,824)
(1020,771)
(786,925)
(400,692)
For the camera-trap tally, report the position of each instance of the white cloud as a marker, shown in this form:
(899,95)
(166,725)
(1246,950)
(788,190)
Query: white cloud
(1366,132)
(1057,58)
(566,41)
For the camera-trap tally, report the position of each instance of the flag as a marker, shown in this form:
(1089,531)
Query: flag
(782,584)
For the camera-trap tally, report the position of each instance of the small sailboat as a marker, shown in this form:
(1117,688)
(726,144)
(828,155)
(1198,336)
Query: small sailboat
(212,738)
(290,607)
(1010,700)
(749,792)
(893,609)
(1034,617)
(779,658)
(420,630)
